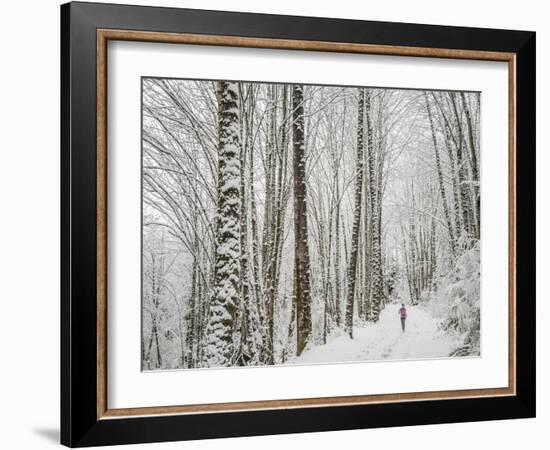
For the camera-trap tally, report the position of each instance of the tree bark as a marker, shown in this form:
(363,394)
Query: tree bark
(462,178)
(442,189)
(352,270)
(376,255)
(302,284)
(219,349)
(473,164)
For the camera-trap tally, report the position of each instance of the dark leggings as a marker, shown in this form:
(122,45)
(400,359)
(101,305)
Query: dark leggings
(403,323)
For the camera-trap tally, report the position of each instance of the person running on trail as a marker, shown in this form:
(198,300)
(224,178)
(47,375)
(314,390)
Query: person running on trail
(402,316)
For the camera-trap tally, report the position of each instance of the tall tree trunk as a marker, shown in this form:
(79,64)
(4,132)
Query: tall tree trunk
(255,251)
(352,270)
(249,346)
(449,140)
(337,285)
(338,219)
(367,242)
(269,227)
(302,284)
(380,154)
(191,318)
(473,164)
(367,231)
(219,349)
(376,251)
(440,178)
(462,174)
(278,215)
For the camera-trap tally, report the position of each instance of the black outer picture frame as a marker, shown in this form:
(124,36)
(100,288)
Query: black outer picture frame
(79,423)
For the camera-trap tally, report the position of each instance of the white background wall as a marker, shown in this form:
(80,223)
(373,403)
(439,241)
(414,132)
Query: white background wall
(29,223)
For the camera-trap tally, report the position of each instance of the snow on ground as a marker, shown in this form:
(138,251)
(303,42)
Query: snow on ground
(385,340)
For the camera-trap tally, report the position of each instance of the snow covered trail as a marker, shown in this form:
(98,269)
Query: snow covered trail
(385,340)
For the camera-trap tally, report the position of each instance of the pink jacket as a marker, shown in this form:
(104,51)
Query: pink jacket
(402,312)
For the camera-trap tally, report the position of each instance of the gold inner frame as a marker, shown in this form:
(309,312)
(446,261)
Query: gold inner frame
(104,35)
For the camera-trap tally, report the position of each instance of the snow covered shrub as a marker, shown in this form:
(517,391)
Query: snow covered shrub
(459,291)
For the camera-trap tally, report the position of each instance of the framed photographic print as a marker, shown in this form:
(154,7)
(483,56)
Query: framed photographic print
(277,224)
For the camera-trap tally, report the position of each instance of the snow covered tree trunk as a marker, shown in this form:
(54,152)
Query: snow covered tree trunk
(463,188)
(268,239)
(338,294)
(352,270)
(367,245)
(191,317)
(433,254)
(157,281)
(254,218)
(449,141)
(250,342)
(220,348)
(473,145)
(360,272)
(276,199)
(302,283)
(414,259)
(204,288)
(280,202)
(380,155)
(441,179)
(323,260)
(337,289)
(367,233)
(376,254)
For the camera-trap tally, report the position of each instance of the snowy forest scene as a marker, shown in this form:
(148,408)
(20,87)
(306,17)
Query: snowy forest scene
(287,224)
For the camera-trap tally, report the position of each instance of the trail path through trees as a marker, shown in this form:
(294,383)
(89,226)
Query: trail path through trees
(384,340)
